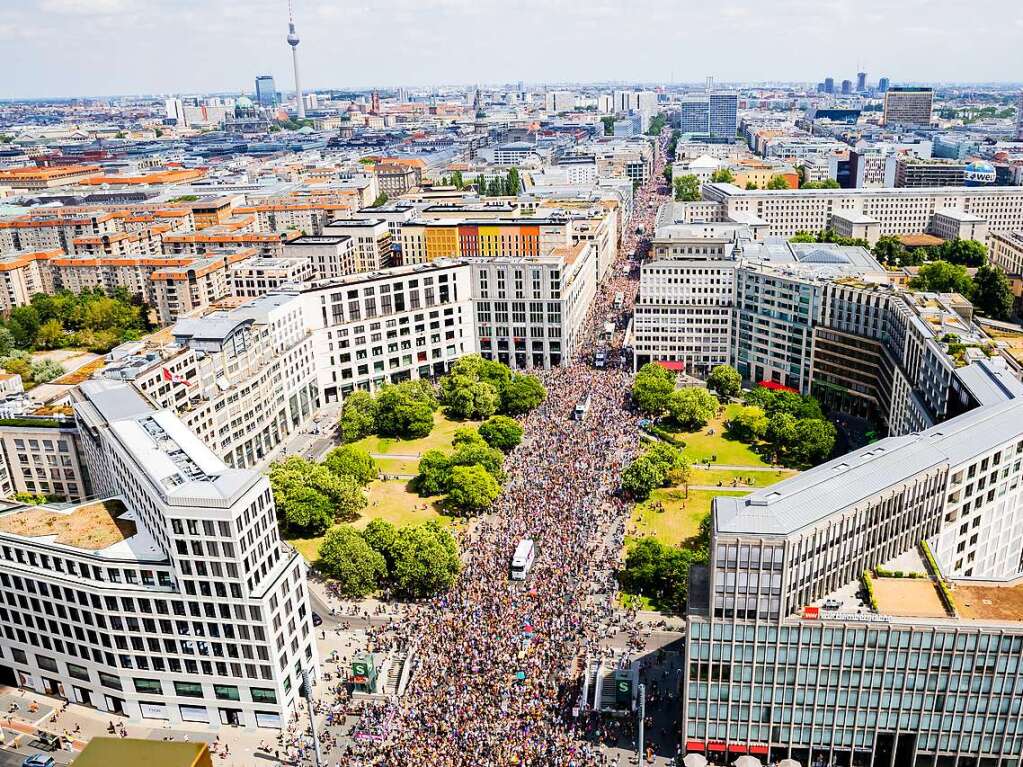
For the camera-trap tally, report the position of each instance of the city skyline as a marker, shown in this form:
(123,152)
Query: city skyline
(225,52)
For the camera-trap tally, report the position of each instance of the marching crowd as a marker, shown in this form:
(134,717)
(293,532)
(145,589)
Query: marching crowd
(495,677)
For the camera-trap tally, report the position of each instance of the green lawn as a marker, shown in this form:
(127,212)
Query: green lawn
(392,501)
(678,520)
(749,479)
(702,447)
(443,431)
(398,466)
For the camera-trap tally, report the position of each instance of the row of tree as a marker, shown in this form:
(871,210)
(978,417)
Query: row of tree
(311,497)
(414,561)
(477,388)
(660,465)
(91,319)
(508,185)
(654,393)
(793,426)
(31,372)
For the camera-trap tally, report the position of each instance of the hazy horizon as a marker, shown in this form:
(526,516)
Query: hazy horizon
(96,48)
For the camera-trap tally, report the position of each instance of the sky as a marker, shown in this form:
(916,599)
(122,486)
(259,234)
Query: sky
(51,48)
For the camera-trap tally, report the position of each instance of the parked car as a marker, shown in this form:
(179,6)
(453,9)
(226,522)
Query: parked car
(317,620)
(39,760)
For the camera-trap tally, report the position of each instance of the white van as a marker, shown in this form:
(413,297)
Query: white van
(522,560)
(582,407)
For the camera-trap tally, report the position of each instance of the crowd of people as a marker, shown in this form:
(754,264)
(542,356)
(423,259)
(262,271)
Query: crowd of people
(497,665)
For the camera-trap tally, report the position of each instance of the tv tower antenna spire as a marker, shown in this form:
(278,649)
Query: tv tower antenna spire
(293,42)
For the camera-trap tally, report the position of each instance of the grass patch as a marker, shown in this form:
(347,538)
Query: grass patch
(440,438)
(701,446)
(399,466)
(678,520)
(391,501)
(749,479)
(635,602)
(92,526)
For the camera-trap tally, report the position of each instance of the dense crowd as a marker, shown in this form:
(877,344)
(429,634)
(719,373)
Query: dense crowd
(496,672)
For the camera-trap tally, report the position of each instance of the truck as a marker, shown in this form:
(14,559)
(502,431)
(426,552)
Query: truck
(522,559)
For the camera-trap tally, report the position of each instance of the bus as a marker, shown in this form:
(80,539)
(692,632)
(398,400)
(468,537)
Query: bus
(619,299)
(522,560)
(582,408)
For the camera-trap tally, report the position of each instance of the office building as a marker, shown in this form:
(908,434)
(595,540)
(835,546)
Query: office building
(846,87)
(883,84)
(41,455)
(266,91)
(167,598)
(799,647)
(175,110)
(560,101)
(916,172)
(370,241)
(861,82)
(1006,251)
(1019,117)
(257,276)
(694,115)
(712,118)
(829,84)
(908,105)
(897,211)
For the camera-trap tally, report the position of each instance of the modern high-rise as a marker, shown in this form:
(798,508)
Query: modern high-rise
(829,84)
(908,105)
(883,84)
(293,41)
(801,644)
(861,82)
(167,597)
(266,91)
(846,87)
(713,117)
(1019,117)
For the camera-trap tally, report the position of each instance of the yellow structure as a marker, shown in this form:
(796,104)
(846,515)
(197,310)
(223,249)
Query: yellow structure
(108,752)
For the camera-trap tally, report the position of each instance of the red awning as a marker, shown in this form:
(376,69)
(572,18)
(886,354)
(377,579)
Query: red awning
(737,748)
(775,386)
(715,746)
(758,749)
(673,365)
(694,745)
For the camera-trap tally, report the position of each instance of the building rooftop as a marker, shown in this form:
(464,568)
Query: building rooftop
(862,474)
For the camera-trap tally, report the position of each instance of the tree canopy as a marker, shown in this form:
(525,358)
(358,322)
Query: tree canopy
(92,319)
(351,562)
(309,497)
(724,381)
(358,416)
(406,410)
(687,188)
(992,293)
(942,277)
(472,489)
(692,407)
(501,432)
(651,388)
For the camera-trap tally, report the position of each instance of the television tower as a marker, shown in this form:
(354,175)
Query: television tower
(293,42)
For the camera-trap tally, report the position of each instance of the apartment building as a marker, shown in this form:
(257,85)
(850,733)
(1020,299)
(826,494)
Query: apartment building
(916,172)
(141,242)
(23,274)
(52,231)
(788,659)
(896,211)
(402,323)
(395,179)
(371,240)
(257,276)
(40,455)
(305,218)
(179,603)
(683,311)
(529,311)
(39,179)
(181,290)
(196,244)
(333,255)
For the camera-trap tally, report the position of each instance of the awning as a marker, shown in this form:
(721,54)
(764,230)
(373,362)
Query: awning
(758,748)
(673,365)
(775,386)
(694,745)
(716,747)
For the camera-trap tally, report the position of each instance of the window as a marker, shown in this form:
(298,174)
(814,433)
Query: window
(188,689)
(109,680)
(148,686)
(263,695)
(48,664)
(225,692)
(78,672)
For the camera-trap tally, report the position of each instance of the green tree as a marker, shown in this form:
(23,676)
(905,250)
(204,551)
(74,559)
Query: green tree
(723,176)
(609,125)
(671,461)
(406,410)
(434,473)
(51,335)
(23,322)
(692,407)
(296,482)
(778,182)
(992,293)
(667,174)
(358,416)
(642,476)
(749,424)
(306,512)
(513,182)
(426,560)
(802,236)
(501,432)
(815,439)
(966,252)
(725,381)
(381,535)
(651,388)
(479,453)
(472,489)
(781,433)
(522,393)
(6,341)
(687,188)
(380,201)
(353,462)
(890,251)
(44,371)
(464,397)
(942,277)
(350,562)
(829,183)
